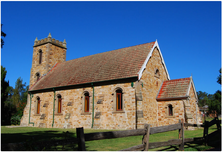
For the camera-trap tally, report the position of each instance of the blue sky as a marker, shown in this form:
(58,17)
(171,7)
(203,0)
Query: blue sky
(188,33)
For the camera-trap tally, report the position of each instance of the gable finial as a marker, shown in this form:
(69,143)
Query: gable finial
(64,42)
(50,36)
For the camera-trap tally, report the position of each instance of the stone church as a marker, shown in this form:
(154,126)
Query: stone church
(119,89)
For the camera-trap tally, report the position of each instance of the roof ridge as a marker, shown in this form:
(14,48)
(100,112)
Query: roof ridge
(110,51)
(177,79)
(97,67)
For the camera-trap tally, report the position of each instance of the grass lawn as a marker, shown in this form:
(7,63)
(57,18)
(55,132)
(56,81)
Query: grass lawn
(20,134)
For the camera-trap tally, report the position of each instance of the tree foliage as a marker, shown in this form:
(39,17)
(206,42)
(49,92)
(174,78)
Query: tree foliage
(5,89)
(215,105)
(219,77)
(13,100)
(203,98)
(212,100)
(18,98)
(4,35)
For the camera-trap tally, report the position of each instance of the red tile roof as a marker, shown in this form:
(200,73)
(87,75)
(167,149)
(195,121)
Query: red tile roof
(176,88)
(111,65)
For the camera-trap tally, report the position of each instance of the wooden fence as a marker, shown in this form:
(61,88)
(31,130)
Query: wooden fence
(149,131)
(81,137)
(206,126)
(145,132)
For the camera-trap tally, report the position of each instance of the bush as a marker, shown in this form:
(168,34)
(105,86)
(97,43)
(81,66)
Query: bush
(15,120)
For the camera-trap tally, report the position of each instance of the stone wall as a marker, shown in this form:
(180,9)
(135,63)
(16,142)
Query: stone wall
(151,85)
(51,54)
(184,109)
(193,109)
(108,118)
(178,112)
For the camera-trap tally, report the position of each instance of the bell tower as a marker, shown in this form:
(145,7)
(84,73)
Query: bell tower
(46,53)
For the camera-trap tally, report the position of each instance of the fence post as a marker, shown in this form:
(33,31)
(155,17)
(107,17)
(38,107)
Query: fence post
(179,135)
(205,134)
(81,139)
(146,137)
(181,147)
(218,123)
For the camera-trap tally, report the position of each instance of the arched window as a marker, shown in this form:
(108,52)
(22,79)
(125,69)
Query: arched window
(170,110)
(38,105)
(37,76)
(157,73)
(59,103)
(86,102)
(40,56)
(119,100)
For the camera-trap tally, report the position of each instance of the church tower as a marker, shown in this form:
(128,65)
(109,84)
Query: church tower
(46,53)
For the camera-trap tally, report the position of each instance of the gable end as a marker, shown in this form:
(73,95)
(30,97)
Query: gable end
(147,59)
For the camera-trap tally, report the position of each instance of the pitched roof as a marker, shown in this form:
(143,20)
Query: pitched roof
(111,65)
(174,89)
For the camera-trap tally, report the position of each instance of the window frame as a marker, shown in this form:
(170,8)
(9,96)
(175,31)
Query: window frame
(38,105)
(86,102)
(58,105)
(119,101)
(40,56)
(37,76)
(59,110)
(115,107)
(157,73)
(170,111)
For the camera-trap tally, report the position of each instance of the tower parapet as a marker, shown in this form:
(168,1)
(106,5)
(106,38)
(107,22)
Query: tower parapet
(49,39)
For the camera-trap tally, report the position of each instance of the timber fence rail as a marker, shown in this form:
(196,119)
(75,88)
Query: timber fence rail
(145,140)
(79,142)
(206,126)
(152,130)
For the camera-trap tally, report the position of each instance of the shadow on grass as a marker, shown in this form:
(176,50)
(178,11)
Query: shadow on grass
(39,140)
(214,144)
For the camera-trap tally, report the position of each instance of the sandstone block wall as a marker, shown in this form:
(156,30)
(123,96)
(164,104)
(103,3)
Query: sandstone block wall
(185,109)
(151,86)
(178,112)
(51,54)
(108,119)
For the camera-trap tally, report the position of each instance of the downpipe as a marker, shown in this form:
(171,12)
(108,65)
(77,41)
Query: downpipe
(31,96)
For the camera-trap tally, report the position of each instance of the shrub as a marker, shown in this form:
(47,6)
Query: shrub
(15,120)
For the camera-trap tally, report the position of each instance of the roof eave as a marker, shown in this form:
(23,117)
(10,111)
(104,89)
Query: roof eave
(172,98)
(51,88)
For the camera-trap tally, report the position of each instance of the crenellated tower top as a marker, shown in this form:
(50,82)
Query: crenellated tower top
(49,39)
(47,52)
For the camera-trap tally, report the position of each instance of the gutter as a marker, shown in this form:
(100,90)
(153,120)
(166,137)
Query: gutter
(93,107)
(53,108)
(83,84)
(172,98)
(31,96)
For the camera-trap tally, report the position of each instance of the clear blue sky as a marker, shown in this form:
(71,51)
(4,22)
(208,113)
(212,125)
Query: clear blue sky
(188,33)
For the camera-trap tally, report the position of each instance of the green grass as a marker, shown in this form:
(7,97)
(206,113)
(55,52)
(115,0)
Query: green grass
(20,134)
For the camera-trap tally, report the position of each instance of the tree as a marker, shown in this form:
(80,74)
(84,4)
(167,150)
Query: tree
(5,89)
(18,99)
(18,92)
(4,35)
(23,101)
(203,98)
(214,106)
(219,77)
